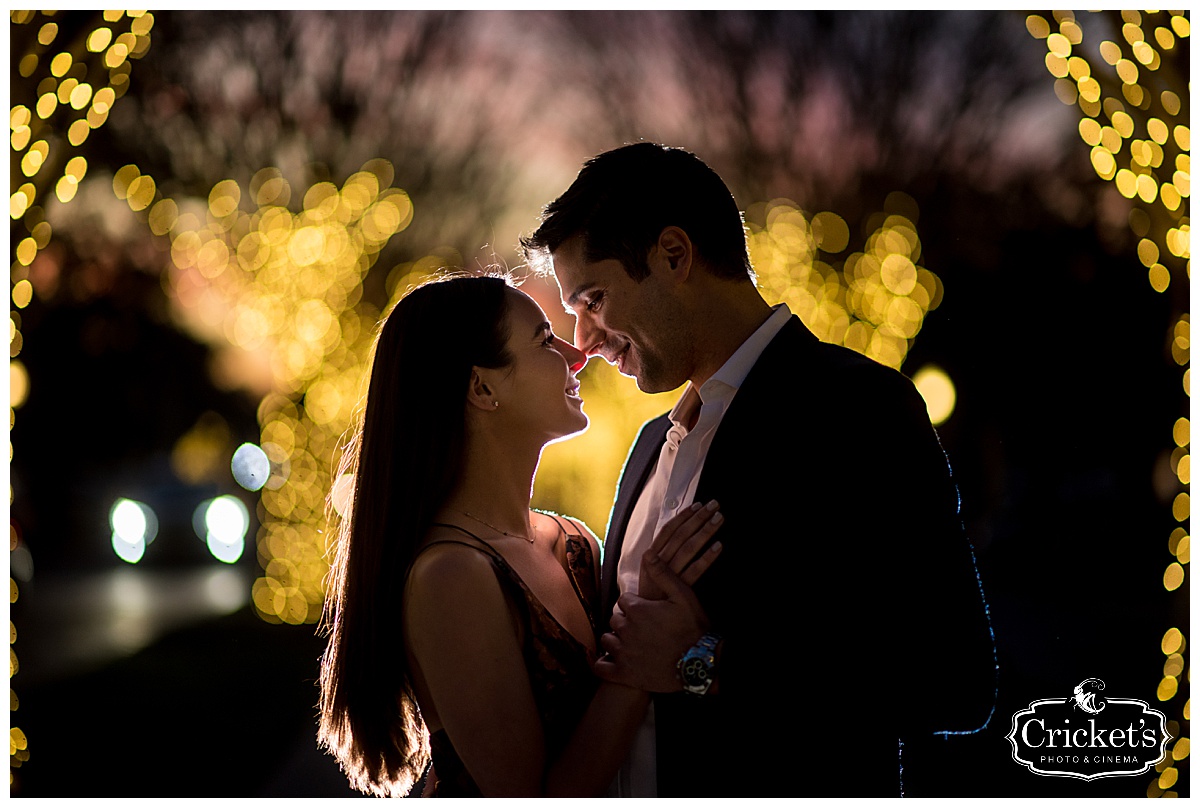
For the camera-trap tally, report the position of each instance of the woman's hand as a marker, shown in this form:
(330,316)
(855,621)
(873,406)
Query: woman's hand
(652,629)
(680,546)
(648,637)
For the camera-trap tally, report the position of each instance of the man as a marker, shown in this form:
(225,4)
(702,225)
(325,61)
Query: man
(844,612)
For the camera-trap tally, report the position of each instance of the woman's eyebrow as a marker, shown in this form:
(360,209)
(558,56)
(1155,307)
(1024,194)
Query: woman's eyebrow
(537,332)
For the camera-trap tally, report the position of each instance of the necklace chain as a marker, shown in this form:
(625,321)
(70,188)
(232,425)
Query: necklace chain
(493,527)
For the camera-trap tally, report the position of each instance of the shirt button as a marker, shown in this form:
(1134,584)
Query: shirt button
(672,504)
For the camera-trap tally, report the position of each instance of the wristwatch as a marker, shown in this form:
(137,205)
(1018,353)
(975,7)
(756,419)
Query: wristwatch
(698,665)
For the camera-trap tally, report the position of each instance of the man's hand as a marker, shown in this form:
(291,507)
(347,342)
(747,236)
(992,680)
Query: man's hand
(649,636)
(680,546)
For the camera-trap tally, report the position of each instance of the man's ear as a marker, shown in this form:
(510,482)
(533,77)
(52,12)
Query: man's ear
(480,394)
(674,252)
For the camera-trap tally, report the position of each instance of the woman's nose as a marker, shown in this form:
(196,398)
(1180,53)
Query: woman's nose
(576,358)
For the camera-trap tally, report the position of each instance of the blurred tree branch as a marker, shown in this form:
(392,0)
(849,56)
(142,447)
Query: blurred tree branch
(808,104)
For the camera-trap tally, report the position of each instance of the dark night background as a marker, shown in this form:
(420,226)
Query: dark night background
(158,679)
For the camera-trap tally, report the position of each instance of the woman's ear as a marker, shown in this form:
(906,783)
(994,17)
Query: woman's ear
(480,394)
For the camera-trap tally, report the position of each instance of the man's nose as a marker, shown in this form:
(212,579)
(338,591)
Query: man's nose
(588,337)
(576,358)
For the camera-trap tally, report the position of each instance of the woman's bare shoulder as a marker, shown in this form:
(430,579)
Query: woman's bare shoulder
(570,523)
(447,561)
(553,521)
(572,526)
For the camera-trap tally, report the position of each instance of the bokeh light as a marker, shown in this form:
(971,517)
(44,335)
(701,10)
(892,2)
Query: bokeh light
(134,526)
(128,551)
(229,552)
(128,521)
(938,391)
(18,383)
(61,119)
(282,292)
(222,523)
(251,467)
(133,521)
(226,519)
(873,301)
(1145,113)
(269,267)
(341,495)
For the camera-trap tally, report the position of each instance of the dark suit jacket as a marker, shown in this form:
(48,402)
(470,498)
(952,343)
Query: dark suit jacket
(846,593)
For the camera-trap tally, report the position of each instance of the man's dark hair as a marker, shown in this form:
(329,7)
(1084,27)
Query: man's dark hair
(622,199)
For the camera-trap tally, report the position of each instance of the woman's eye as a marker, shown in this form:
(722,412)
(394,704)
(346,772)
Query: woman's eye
(549,340)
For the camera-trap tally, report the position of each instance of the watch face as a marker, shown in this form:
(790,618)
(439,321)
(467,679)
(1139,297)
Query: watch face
(698,665)
(695,672)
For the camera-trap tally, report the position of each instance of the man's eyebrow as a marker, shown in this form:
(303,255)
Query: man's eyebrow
(580,290)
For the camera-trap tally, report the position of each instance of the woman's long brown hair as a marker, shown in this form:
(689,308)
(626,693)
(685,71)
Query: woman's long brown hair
(405,456)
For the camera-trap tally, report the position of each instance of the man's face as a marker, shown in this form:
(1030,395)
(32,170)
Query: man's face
(641,327)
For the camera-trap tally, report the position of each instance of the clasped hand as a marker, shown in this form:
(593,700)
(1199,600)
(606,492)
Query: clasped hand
(652,629)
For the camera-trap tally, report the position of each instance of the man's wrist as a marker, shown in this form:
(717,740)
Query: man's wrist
(698,665)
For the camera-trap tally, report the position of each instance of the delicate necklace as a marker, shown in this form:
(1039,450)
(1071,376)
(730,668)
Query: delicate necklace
(493,527)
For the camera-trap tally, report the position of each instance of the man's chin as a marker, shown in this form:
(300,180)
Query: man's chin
(648,381)
(648,384)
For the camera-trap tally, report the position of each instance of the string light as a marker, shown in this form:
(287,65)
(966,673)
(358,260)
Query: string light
(1144,150)
(282,292)
(873,301)
(76,89)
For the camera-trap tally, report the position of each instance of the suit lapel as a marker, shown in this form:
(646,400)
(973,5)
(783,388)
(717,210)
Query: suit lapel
(637,469)
(742,422)
(765,387)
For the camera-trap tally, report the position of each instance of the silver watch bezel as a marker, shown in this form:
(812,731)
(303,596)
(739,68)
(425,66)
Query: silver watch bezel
(704,651)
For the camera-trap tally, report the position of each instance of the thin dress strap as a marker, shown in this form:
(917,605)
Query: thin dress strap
(483,547)
(559,519)
(579,561)
(556,518)
(575,545)
(492,551)
(558,664)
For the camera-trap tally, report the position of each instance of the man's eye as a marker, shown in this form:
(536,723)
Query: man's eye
(595,303)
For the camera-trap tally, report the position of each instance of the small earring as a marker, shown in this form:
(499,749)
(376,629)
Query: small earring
(495,404)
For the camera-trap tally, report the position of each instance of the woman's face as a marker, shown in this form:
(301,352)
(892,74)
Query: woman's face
(539,390)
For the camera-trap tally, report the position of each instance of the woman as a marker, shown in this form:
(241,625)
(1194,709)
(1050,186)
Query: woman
(460,622)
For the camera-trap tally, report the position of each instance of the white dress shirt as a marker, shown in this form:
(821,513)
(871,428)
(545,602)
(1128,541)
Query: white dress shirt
(669,490)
